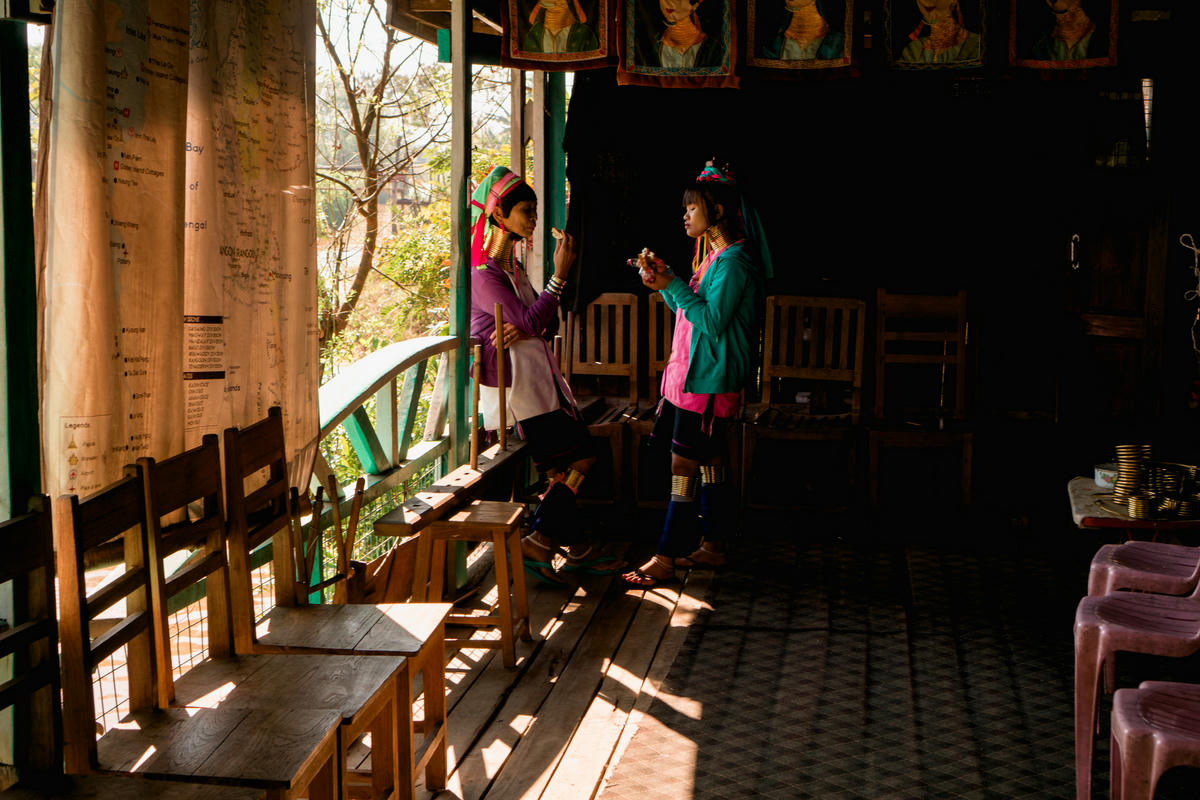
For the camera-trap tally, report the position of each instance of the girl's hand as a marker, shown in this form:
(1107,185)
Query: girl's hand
(511,334)
(647,261)
(657,279)
(564,255)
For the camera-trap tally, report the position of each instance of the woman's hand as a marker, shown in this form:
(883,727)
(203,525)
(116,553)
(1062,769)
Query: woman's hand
(653,271)
(657,279)
(564,255)
(511,334)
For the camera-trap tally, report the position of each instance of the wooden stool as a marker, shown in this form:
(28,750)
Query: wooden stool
(481,521)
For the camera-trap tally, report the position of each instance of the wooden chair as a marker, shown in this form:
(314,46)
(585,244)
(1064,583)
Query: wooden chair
(31,645)
(287,752)
(602,343)
(187,488)
(413,630)
(660,328)
(813,351)
(920,380)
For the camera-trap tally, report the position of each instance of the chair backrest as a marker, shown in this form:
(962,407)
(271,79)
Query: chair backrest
(183,514)
(660,329)
(256,455)
(81,527)
(817,344)
(920,354)
(30,643)
(603,340)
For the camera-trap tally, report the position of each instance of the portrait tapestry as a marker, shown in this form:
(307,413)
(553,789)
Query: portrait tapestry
(935,34)
(1063,34)
(557,34)
(678,43)
(799,34)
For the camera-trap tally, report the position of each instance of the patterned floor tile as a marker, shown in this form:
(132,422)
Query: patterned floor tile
(831,668)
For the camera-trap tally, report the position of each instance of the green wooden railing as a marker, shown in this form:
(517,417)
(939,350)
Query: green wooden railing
(386,446)
(376,403)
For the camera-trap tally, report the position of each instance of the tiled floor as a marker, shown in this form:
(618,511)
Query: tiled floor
(878,667)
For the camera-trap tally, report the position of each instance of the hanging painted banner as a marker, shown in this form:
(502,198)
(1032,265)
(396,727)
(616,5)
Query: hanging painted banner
(799,34)
(177,284)
(557,34)
(678,43)
(935,34)
(1063,34)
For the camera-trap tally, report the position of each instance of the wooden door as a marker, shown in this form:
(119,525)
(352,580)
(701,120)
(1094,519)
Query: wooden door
(1112,262)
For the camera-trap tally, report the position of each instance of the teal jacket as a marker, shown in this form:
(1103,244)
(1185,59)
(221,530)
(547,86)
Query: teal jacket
(723,312)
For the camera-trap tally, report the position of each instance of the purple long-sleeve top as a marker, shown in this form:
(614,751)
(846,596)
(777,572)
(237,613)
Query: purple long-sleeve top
(490,285)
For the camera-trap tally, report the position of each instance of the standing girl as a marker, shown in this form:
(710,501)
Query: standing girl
(712,354)
(504,212)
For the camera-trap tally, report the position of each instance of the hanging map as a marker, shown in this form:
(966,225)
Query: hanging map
(178,284)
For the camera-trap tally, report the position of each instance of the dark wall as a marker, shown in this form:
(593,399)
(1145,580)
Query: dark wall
(928,181)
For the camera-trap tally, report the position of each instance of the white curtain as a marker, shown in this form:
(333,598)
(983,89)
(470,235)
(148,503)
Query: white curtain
(176,208)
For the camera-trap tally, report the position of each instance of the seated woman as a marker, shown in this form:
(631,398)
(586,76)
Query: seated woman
(504,212)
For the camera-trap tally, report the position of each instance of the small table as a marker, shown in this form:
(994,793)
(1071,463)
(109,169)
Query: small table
(1089,512)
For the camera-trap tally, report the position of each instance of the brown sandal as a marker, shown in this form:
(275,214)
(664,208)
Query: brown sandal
(644,578)
(704,558)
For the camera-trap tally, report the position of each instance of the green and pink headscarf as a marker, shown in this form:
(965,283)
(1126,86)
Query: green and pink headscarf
(484,200)
(751,224)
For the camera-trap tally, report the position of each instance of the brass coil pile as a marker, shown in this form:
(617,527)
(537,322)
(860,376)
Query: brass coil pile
(1141,505)
(1188,506)
(1155,489)
(1131,460)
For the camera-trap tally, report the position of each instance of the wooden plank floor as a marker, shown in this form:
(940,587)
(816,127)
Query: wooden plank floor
(549,727)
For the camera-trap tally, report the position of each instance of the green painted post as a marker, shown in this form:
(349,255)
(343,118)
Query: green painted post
(20,461)
(460,223)
(556,160)
(460,250)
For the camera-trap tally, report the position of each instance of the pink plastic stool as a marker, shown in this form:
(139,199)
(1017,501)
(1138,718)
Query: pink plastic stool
(1144,566)
(1154,727)
(1135,622)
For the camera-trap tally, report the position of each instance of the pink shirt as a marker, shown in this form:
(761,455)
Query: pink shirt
(724,405)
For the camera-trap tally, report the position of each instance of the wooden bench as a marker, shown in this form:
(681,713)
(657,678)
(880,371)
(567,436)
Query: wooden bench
(362,689)
(448,493)
(288,752)
(30,646)
(415,631)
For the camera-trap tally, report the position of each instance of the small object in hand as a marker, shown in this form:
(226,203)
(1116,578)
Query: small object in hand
(644,260)
(556,233)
